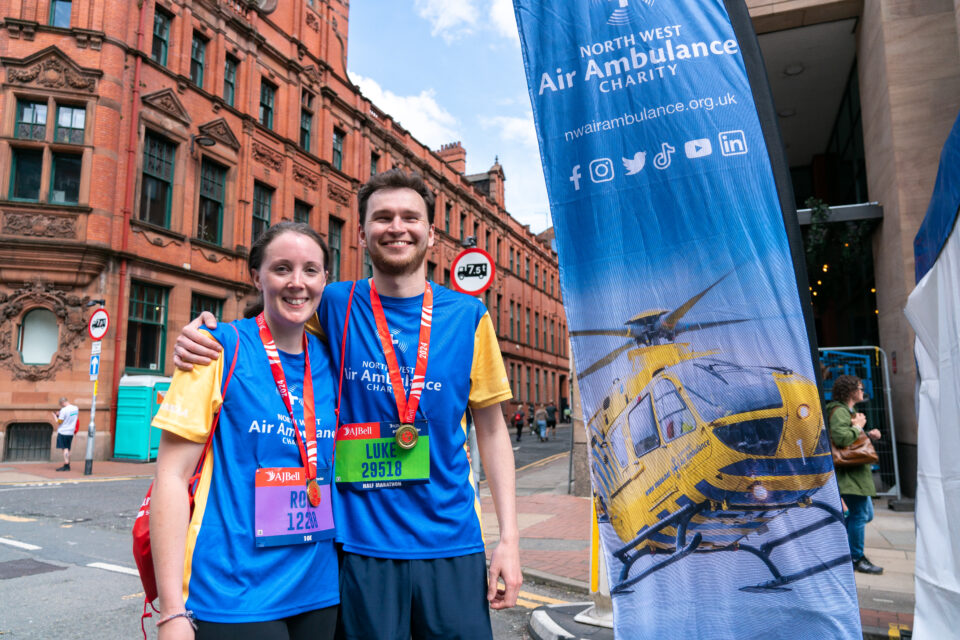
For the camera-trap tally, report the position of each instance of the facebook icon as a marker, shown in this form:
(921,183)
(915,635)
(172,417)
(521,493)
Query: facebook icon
(575,177)
(732,143)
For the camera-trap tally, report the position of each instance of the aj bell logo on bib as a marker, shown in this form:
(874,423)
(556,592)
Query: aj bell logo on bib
(283,475)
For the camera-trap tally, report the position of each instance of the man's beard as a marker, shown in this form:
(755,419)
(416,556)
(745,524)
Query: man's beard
(398,267)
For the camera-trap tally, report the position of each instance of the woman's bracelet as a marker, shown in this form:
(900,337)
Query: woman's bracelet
(183,614)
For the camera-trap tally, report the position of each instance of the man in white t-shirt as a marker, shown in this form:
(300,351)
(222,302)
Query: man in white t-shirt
(68,421)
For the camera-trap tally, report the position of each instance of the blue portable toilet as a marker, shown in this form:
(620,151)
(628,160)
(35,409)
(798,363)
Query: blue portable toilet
(138,400)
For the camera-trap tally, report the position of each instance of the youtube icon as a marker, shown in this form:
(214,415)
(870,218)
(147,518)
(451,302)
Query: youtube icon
(698,148)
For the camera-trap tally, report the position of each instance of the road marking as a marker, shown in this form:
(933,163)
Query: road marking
(527,604)
(541,598)
(7,518)
(544,461)
(20,545)
(115,568)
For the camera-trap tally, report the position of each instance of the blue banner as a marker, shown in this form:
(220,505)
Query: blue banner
(714,485)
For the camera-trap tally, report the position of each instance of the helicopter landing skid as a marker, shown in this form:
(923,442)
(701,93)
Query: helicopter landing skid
(682,518)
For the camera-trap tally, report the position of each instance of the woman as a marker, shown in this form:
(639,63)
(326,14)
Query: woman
(855,483)
(256,558)
(541,417)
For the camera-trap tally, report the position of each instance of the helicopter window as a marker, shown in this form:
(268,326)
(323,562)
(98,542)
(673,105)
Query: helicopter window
(723,389)
(675,418)
(643,428)
(617,444)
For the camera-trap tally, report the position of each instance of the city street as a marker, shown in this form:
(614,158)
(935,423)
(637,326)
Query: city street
(66,569)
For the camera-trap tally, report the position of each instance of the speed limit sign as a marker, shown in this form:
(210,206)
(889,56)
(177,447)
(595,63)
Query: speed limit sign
(99,323)
(472,271)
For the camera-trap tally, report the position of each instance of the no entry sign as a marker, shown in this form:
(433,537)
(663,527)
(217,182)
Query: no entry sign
(472,271)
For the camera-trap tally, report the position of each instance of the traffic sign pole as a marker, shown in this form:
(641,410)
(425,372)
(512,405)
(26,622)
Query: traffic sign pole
(97,327)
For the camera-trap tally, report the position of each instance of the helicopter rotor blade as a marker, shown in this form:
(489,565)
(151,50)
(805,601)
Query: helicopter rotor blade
(605,360)
(698,326)
(669,322)
(622,333)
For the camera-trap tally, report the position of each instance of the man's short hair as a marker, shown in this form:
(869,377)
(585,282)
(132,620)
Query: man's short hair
(62,400)
(395,179)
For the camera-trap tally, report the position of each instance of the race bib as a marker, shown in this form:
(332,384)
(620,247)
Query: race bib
(370,455)
(283,514)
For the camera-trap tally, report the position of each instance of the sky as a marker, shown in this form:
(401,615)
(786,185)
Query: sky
(451,70)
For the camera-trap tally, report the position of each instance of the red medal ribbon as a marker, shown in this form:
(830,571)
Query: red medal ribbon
(406,408)
(308,452)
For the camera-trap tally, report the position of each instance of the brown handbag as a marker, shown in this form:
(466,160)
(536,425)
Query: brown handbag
(857,453)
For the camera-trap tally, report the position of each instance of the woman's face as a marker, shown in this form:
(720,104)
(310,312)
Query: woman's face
(291,279)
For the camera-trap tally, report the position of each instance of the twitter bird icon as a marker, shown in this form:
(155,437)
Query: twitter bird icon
(635,164)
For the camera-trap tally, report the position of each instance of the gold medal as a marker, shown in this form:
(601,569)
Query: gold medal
(313,492)
(407,436)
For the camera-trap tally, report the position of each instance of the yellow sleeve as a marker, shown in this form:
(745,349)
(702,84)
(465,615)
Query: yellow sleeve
(191,401)
(488,376)
(313,326)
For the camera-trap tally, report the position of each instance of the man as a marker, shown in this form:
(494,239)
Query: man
(67,419)
(552,419)
(413,562)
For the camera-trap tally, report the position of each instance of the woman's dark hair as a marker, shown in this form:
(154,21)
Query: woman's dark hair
(844,387)
(259,248)
(394,179)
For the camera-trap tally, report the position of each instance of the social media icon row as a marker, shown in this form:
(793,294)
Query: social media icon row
(732,143)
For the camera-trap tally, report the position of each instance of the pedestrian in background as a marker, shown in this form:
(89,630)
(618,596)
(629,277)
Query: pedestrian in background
(855,483)
(518,421)
(552,419)
(68,419)
(541,418)
(531,422)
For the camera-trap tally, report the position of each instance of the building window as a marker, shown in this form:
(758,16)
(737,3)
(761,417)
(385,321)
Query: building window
(551,285)
(334,240)
(374,160)
(536,384)
(511,258)
(213,180)
(230,80)
(486,243)
(527,263)
(267,94)
(528,326)
(536,330)
(306,119)
(301,211)
(71,122)
(60,13)
(536,276)
(519,320)
(161,36)
(463,226)
(26,168)
(200,303)
(65,179)
(157,189)
(553,344)
(38,336)
(31,120)
(367,266)
(431,271)
(262,202)
(338,137)
(528,384)
(198,50)
(497,312)
(146,327)
(447,210)
(512,336)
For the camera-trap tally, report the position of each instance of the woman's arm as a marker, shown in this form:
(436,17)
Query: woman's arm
(169,518)
(842,430)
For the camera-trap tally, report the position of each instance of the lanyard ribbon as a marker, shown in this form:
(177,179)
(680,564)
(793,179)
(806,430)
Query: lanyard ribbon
(406,408)
(308,451)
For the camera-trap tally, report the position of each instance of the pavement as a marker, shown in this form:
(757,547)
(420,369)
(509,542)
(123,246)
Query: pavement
(555,544)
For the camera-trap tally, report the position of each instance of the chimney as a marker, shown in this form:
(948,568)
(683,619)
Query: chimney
(454,155)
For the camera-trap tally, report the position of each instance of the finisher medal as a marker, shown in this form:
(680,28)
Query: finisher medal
(313,492)
(407,436)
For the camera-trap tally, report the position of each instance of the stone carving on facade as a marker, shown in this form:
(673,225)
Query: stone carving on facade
(72,328)
(306,177)
(220,131)
(338,195)
(267,156)
(51,69)
(167,101)
(211,256)
(313,76)
(312,21)
(39,225)
(155,239)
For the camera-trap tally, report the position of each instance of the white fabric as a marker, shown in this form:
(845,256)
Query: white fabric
(68,420)
(933,310)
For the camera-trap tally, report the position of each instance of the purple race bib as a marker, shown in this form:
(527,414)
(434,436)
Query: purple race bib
(283,514)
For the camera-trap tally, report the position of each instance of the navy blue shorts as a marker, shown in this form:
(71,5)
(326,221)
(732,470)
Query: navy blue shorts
(64,442)
(436,599)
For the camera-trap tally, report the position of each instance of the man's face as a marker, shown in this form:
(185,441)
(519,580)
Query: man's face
(397,231)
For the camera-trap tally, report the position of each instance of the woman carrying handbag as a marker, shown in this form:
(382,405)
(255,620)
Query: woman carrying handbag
(855,482)
(255,559)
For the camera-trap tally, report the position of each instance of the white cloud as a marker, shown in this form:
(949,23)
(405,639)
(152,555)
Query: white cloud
(512,129)
(420,114)
(503,19)
(449,20)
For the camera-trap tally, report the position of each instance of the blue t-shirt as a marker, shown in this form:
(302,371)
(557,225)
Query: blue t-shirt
(226,577)
(441,518)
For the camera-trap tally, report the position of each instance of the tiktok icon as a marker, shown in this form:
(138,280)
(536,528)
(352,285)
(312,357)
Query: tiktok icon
(662,160)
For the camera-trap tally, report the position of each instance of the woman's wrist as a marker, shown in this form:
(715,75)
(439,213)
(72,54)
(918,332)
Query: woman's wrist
(187,615)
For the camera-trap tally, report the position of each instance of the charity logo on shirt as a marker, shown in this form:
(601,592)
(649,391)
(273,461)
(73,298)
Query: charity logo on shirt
(279,425)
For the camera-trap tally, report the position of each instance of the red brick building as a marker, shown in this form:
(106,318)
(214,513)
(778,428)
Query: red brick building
(143,147)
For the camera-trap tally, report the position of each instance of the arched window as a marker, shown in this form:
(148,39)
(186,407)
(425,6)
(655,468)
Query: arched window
(37,341)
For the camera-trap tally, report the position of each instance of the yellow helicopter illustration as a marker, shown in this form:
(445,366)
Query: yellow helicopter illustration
(693,453)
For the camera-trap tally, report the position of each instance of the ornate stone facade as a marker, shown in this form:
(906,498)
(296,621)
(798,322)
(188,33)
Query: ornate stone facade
(39,225)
